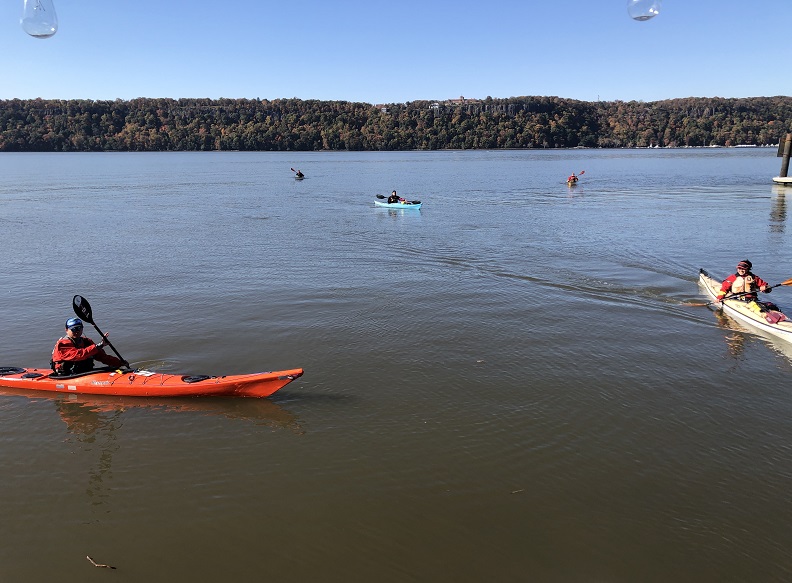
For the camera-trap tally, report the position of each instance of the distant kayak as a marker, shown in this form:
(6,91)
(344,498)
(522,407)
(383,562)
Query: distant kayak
(143,383)
(403,204)
(573,178)
(299,177)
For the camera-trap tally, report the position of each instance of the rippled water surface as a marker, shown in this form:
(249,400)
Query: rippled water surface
(517,382)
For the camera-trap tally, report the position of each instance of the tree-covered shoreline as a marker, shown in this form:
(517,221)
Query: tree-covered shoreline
(149,124)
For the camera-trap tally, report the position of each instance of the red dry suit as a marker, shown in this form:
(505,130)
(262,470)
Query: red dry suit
(72,356)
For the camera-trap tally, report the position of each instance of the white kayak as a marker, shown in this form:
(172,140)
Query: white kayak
(746,312)
(399,205)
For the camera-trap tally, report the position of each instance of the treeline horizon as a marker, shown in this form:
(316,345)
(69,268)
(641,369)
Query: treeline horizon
(195,124)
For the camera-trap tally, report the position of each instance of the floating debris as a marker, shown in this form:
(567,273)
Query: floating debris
(95,564)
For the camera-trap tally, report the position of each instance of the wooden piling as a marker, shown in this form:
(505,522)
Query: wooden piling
(784,153)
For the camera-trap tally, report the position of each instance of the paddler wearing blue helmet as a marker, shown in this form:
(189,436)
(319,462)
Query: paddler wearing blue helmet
(75,353)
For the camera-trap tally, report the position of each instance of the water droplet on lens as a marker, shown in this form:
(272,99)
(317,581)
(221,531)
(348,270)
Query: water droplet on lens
(642,10)
(39,19)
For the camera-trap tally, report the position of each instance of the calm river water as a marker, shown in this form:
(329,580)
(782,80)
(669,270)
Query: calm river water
(508,385)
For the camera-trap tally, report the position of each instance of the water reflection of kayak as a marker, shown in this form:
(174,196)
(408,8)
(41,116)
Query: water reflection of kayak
(84,414)
(142,383)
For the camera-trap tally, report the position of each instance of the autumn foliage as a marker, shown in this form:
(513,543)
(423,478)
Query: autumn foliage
(147,124)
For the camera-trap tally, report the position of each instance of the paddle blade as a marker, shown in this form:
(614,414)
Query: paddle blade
(82,308)
(787,282)
(380,196)
(581,173)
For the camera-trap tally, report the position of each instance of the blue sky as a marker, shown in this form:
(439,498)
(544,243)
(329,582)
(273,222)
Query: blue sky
(394,52)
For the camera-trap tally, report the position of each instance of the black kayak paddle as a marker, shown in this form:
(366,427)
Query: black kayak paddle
(83,309)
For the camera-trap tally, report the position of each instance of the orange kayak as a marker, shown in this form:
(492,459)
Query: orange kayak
(143,383)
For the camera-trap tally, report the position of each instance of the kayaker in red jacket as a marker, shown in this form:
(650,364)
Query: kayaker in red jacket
(75,353)
(572,178)
(743,281)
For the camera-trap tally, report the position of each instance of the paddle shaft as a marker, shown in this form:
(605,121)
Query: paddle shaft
(110,344)
(731,297)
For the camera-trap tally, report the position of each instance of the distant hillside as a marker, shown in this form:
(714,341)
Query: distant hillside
(306,125)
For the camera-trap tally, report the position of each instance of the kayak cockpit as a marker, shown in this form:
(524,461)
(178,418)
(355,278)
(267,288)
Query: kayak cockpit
(10,371)
(104,369)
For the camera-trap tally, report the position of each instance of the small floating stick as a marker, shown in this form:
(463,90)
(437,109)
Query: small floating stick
(95,564)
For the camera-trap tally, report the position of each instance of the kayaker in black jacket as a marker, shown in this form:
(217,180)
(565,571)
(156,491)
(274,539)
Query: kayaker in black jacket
(393,198)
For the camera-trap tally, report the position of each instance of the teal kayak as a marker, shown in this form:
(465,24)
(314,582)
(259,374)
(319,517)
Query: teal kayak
(415,204)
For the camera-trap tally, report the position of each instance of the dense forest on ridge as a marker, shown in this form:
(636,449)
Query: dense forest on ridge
(148,124)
